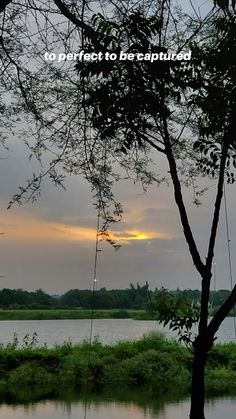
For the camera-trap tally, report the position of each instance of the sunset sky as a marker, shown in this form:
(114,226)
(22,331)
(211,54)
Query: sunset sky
(50,244)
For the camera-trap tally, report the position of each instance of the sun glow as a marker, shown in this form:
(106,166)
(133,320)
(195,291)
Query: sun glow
(131,235)
(141,237)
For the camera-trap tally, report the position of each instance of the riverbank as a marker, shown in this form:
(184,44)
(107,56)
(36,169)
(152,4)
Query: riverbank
(76,314)
(55,314)
(151,363)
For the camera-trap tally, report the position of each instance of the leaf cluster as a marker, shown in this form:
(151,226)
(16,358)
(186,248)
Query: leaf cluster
(177,313)
(214,65)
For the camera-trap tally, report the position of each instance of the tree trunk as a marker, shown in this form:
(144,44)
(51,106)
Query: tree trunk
(198,382)
(202,345)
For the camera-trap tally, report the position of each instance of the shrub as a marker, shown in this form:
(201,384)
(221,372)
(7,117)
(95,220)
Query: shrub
(220,380)
(71,371)
(30,374)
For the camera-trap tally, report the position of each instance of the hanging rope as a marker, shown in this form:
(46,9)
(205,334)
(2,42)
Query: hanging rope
(97,229)
(229,253)
(97,250)
(92,308)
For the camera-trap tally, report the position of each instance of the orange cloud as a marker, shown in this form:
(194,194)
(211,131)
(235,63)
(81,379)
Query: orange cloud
(22,228)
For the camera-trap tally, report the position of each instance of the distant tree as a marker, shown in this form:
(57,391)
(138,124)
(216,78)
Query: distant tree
(121,298)
(18,298)
(71,298)
(43,300)
(138,295)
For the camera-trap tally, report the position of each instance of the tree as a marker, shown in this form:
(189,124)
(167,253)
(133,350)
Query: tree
(121,110)
(137,107)
(143,109)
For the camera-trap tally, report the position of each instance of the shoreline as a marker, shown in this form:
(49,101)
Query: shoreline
(63,314)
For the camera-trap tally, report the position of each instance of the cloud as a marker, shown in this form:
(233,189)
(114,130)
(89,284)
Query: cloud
(23,228)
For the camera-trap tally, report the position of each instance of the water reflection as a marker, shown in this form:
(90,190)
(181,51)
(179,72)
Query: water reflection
(117,409)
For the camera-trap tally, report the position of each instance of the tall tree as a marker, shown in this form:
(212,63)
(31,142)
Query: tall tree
(185,113)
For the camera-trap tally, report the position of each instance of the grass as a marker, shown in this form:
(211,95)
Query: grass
(54,314)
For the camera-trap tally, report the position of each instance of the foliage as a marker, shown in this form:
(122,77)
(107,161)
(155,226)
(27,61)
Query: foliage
(30,374)
(121,101)
(151,361)
(134,297)
(177,313)
(216,98)
(118,303)
(221,369)
(18,298)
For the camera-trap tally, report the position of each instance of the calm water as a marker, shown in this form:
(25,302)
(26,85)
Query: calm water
(108,330)
(215,409)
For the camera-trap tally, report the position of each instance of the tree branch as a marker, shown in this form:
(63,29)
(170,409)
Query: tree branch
(219,195)
(222,313)
(88,30)
(218,200)
(154,145)
(179,201)
(215,221)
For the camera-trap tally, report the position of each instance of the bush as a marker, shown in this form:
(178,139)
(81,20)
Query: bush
(71,372)
(221,355)
(220,380)
(151,362)
(30,374)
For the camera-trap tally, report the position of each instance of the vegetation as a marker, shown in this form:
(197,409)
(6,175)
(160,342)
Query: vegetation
(55,314)
(136,297)
(151,363)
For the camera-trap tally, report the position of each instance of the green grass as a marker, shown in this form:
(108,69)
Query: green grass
(54,314)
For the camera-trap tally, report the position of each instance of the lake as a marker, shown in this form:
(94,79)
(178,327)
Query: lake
(100,409)
(109,331)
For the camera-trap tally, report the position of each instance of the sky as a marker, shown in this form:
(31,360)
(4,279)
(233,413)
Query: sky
(50,244)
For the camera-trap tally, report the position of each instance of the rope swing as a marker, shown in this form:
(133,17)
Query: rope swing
(229,252)
(92,305)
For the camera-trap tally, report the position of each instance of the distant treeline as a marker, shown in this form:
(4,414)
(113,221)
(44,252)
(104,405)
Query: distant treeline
(134,297)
